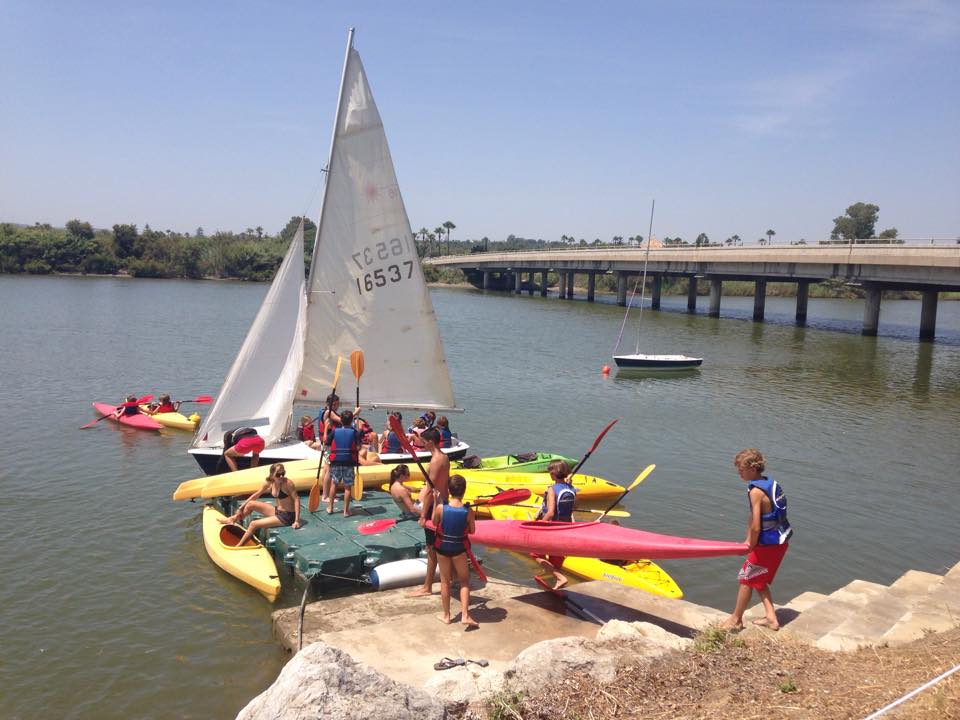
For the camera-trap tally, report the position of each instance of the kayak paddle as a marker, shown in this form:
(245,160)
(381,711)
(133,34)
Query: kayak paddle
(640,478)
(313,503)
(139,401)
(356,364)
(205,399)
(507,497)
(596,443)
(566,598)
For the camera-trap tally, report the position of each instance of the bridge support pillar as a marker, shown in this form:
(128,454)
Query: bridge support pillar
(570,276)
(655,292)
(692,295)
(517,281)
(530,286)
(716,290)
(561,284)
(928,315)
(871,311)
(621,289)
(803,292)
(591,286)
(759,299)
(543,283)
(486,279)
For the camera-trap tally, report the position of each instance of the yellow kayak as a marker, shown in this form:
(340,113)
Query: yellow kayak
(252,563)
(644,575)
(303,473)
(176,420)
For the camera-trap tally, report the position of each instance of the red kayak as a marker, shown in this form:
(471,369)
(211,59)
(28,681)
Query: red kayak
(596,540)
(141,421)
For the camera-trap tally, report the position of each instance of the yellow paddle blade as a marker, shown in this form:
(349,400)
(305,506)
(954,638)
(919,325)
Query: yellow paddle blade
(336,374)
(642,476)
(356,363)
(313,504)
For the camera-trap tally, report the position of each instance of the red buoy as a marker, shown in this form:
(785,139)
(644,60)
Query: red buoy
(605,370)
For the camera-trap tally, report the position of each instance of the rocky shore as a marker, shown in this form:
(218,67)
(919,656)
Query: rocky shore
(842,655)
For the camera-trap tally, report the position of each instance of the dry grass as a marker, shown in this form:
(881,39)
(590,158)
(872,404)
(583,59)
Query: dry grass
(758,676)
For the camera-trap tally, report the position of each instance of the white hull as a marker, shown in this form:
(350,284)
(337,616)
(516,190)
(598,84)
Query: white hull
(657,362)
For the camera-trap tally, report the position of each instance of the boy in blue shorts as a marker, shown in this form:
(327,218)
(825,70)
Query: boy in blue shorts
(344,442)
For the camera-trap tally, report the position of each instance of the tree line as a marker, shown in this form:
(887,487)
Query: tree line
(255,255)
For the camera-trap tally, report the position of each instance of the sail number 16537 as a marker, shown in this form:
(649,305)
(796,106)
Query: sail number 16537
(381,276)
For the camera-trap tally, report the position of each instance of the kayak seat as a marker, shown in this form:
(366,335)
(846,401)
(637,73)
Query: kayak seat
(471,462)
(526,457)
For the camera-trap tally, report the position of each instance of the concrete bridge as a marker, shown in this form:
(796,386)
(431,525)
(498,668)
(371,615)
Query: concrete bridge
(929,269)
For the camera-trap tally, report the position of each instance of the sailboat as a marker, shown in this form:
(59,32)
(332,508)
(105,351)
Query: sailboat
(365,291)
(638,360)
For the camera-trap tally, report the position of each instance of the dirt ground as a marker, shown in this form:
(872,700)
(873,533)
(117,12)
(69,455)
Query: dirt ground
(762,676)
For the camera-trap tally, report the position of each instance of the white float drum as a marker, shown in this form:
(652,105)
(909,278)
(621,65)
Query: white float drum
(401,573)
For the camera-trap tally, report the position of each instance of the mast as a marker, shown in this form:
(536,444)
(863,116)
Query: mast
(326,184)
(643,283)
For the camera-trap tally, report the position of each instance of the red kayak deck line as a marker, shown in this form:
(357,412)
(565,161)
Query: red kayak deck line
(139,421)
(596,539)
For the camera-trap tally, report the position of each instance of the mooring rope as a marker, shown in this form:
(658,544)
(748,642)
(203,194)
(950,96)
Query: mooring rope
(891,706)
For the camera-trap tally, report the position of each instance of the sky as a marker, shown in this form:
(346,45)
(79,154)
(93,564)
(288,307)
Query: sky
(535,119)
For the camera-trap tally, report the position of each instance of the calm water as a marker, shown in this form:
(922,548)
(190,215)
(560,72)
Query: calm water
(111,608)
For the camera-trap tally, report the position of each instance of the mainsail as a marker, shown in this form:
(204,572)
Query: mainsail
(366,288)
(366,292)
(260,387)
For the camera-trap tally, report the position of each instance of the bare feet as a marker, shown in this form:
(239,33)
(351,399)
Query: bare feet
(445,619)
(469,623)
(347,513)
(732,625)
(561,581)
(767,623)
(232,520)
(420,592)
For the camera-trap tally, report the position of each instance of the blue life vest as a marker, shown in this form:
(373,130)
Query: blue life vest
(774,527)
(452,533)
(345,448)
(393,443)
(446,438)
(566,497)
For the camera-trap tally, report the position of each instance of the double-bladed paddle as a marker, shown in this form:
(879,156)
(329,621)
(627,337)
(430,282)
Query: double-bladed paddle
(313,503)
(199,399)
(639,479)
(138,401)
(397,429)
(593,447)
(507,497)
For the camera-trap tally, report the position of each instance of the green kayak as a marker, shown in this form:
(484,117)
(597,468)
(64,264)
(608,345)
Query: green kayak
(521,462)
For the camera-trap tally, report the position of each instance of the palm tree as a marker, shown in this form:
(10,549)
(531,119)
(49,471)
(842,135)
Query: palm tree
(448,225)
(430,238)
(770,234)
(702,240)
(618,239)
(422,234)
(438,232)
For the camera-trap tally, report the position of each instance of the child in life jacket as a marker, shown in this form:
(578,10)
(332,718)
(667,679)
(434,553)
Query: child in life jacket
(454,522)
(305,431)
(127,407)
(768,535)
(558,502)
(344,444)
(415,432)
(443,427)
(389,442)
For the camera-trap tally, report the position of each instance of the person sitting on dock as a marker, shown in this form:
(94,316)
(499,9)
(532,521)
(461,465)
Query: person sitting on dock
(127,407)
(251,445)
(768,535)
(344,444)
(286,513)
(164,406)
(368,454)
(558,502)
(431,493)
(454,522)
(400,493)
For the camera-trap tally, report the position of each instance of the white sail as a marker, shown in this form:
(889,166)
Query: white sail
(366,288)
(259,389)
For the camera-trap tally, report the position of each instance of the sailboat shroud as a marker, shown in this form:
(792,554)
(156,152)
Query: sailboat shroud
(366,291)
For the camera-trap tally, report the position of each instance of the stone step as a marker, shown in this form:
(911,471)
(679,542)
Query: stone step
(917,623)
(867,626)
(786,614)
(840,605)
(916,582)
(858,592)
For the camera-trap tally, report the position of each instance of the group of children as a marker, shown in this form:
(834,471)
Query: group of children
(130,407)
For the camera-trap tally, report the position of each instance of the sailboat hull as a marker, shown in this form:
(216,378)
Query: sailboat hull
(657,362)
(211,461)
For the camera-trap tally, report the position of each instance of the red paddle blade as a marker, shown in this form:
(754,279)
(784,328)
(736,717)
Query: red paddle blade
(604,432)
(203,399)
(376,526)
(507,497)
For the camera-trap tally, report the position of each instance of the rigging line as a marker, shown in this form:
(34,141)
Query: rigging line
(646,260)
(626,312)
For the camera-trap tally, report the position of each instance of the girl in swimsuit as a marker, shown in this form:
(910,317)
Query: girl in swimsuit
(399,493)
(285,513)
